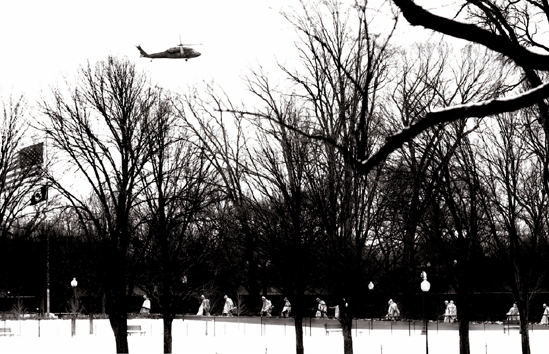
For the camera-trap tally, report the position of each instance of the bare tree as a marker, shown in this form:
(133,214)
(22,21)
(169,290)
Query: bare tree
(516,207)
(224,143)
(179,189)
(454,225)
(101,126)
(426,78)
(346,67)
(280,167)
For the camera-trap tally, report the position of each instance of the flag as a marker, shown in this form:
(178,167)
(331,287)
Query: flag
(11,174)
(27,163)
(40,195)
(31,156)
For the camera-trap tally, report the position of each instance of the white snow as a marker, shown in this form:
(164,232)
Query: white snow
(226,338)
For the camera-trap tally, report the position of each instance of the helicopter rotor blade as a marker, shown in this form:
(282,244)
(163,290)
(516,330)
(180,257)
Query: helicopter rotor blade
(184,44)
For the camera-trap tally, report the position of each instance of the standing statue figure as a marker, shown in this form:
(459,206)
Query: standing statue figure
(513,314)
(146,307)
(229,307)
(336,309)
(393,314)
(452,311)
(267,307)
(287,309)
(322,309)
(204,309)
(545,316)
(446,312)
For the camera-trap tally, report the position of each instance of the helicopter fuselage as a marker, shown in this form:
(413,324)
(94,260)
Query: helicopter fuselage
(172,53)
(178,55)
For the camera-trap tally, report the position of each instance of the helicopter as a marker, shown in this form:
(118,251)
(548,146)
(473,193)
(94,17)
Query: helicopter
(178,52)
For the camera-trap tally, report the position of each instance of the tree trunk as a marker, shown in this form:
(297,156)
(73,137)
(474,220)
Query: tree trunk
(116,308)
(464,347)
(524,336)
(119,326)
(346,320)
(103,302)
(167,320)
(347,326)
(299,349)
(464,311)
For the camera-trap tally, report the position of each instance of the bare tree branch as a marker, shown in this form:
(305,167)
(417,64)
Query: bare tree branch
(480,109)
(417,16)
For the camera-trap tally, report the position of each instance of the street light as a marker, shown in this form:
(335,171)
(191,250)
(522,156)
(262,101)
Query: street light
(74,284)
(425,286)
(371,287)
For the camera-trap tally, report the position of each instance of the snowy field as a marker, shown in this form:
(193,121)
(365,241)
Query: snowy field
(210,336)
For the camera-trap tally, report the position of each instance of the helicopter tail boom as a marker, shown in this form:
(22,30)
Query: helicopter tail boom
(143,53)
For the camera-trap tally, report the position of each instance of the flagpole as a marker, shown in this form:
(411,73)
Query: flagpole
(47,240)
(48,274)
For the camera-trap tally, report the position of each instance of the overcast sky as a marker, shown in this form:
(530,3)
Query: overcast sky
(43,40)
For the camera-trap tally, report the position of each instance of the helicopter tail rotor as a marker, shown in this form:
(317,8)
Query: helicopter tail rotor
(141,51)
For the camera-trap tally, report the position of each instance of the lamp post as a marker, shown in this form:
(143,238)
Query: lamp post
(184,282)
(371,287)
(74,284)
(425,286)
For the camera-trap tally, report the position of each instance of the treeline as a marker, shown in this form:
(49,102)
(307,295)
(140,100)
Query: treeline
(186,194)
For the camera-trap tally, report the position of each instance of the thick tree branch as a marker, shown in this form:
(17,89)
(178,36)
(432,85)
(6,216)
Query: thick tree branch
(480,109)
(417,16)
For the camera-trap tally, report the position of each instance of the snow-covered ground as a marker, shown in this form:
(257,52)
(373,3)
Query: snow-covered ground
(198,336)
